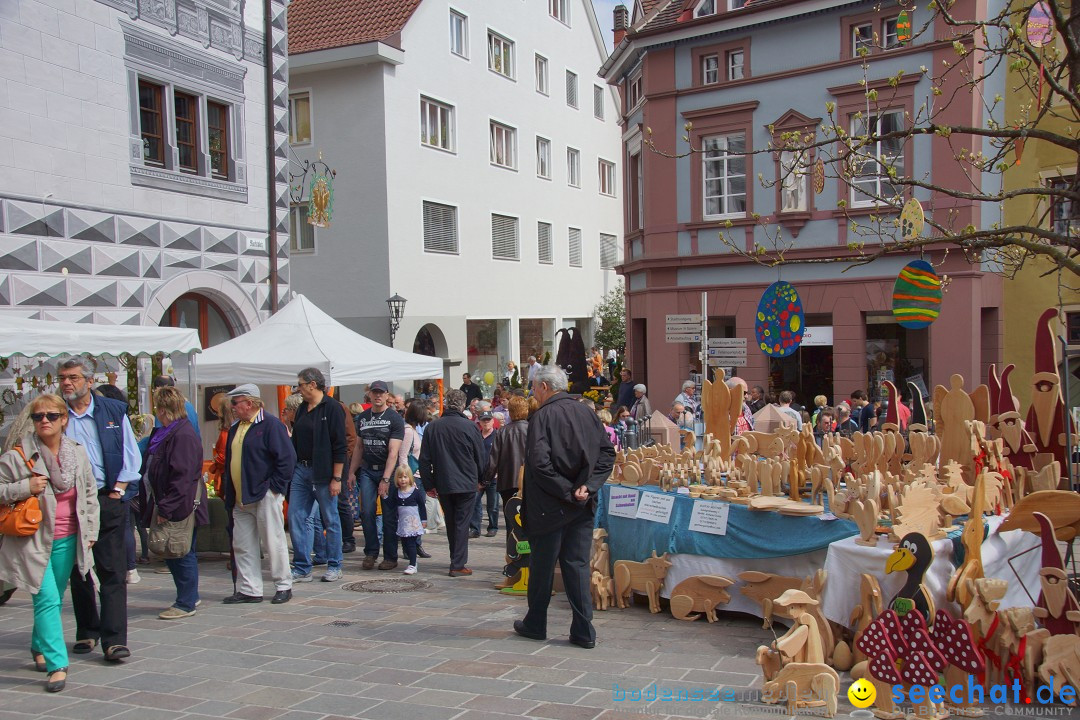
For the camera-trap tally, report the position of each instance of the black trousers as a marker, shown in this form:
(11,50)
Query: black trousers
(458,509)
(344,511)
(110,563)
(570,545)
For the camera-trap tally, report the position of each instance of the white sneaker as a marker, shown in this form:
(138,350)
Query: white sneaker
(411,570)
(133,577)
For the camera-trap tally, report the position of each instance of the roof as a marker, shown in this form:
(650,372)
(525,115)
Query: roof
(324,24)
(671,13)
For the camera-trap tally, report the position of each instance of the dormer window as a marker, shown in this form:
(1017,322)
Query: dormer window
(705,7)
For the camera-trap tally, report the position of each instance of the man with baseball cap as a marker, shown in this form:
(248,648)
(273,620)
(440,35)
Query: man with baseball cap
(259,464)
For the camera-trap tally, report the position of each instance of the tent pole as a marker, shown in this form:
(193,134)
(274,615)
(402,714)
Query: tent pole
(191,382)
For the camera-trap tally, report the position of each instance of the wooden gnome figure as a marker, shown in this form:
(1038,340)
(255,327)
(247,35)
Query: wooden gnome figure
(1045,418)
(802,643)
(1056,609)
(1019,446)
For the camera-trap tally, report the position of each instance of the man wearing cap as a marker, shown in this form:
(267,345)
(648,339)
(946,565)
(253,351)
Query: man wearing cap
(259,464)
(486,422)
(380,431)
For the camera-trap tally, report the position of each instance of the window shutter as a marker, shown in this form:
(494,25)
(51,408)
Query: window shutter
(575,247)
(571,89)
(609,251)
(598,102)
(543,241)
(440,228)
(504,237)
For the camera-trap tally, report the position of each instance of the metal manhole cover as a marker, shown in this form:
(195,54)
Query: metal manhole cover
(387,586)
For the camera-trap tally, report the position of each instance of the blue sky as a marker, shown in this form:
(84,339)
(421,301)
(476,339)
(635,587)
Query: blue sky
(603,16)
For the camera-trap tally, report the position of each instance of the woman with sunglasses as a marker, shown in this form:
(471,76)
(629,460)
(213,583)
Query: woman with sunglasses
(56,469)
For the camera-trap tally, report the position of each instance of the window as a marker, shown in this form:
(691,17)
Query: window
(735,65)
(705,7)
(217,126)
(541,75)
(187,131)
(724,175)
(503,145)
(1072,328)
(436,124)
(607,177)
(710,69)
(543,158)
(543,243)
(889,37)
(575,247)
(1065,213)
(440,228)
(150,124)
(794,176)
(560,10)
(635,211)
(300,118)
(571,89)
(598,102)
(634,97)
(862,39)
(504,237)
(573,167)
(196,312)
(736,4)
(609,251)
(301,232)
(870,180)
(459,34)
(500,55)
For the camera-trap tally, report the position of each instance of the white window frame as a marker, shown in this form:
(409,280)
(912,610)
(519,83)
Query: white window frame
(606,177)
(572,89)
(736,70)
(455,239)
(464,49)
(448,143)
(872,121)
(710,69)
(517,237)
(502,137)
(541,225)
(885,34)
(725,177)
(860,41)
(573,167)
(635,91)
(560,10)
(598,102)
(573,241)
(498,43)
(543,157)
(540,66)
(609,245)
(298,215)
(705,7)
(736,4)
(1063,218)
(293,97)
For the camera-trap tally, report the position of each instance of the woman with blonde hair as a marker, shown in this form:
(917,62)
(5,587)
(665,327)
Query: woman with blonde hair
(56,469)
(172,469)
(507,455)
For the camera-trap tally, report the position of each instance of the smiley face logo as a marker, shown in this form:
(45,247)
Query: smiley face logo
(862,693)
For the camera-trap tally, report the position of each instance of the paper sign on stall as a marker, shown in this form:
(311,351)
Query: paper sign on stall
(656,507)
(709,517)
(623,502)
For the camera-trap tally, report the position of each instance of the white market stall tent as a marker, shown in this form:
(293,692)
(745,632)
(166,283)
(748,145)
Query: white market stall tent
(30,338)
(300,335)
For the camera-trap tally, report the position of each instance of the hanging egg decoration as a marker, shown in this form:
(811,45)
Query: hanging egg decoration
(819,176)
(1040,27)
(916,299)
(912,220)
(903,27)
(780,320)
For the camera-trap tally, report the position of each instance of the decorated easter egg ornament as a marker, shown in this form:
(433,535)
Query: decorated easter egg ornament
(912,220)
(916,299)
(819,176)
(780,321)
(1040,27)
(903,27)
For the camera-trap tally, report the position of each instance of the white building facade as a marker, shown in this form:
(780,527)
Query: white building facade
(478,175)
(133,162)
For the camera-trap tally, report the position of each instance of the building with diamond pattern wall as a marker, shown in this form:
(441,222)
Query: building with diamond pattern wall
(133,162)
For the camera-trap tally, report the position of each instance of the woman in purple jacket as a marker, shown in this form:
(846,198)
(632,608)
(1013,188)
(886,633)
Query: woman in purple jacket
(172,469)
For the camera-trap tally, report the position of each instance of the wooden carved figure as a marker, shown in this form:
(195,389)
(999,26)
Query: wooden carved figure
(952,409)
(601,592)
(700,594)
(1019,446)
(763,588)
(1056,608)
(716,402)
(865,514)
(913,555)
(962,580)
(1045,418)
(863,614)
(1061,662)
(643,577)
(794,664)
(918,511)
(600,559)
(956,641)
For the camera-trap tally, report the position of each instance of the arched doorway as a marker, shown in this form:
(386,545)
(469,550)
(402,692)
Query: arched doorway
(429,341)
(198,312)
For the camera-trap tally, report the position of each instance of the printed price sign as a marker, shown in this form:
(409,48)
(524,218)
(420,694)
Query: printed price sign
(655,507)
(709,516)
(623,502)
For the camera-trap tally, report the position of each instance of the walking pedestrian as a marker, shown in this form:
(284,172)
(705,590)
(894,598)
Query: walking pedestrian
(508,451)
(409,504)
(416,416)
(486,423)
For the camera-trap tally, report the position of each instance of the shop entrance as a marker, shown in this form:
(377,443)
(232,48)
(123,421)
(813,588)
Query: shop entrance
(895,354)
(807,372)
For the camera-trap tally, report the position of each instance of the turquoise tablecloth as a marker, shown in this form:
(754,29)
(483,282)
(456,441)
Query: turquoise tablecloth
(750,534)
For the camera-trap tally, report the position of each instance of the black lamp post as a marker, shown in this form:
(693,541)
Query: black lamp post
(397,310)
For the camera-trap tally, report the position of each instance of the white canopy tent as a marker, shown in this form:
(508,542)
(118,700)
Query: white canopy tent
(301,335)
(30,338)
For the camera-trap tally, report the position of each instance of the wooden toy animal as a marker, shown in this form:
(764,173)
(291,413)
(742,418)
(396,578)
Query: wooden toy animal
(914,555)
(700,594)
(803,680)
(644,577)
(603,590)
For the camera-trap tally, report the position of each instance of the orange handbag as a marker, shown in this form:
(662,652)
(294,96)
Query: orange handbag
(23,518)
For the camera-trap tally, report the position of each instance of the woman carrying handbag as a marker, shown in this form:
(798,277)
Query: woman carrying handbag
(55,471)
(177,496)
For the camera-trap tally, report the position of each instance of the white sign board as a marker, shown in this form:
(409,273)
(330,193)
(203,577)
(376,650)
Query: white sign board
(727,356)
(683,337)
(675,328)
(254,242)
(817,335)
(726,362)
(709,516)
(655,507)
(685,319)
(727,343)
(622,502)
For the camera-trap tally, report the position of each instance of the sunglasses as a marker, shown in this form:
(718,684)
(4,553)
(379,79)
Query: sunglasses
(52,416)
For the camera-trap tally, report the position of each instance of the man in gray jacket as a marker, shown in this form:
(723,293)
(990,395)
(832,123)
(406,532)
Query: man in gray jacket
(452,461)
(568,457)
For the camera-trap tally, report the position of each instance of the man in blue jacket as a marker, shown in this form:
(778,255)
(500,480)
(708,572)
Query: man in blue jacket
(259,463)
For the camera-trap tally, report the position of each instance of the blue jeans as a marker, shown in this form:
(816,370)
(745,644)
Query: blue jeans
(185,575)
(303,495)
(374,533)
(315,528)
(492,509)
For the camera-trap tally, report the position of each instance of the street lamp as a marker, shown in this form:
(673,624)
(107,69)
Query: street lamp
(397,310)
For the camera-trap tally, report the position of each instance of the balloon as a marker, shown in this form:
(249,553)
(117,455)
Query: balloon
(489,377)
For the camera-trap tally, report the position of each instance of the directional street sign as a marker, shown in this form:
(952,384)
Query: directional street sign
(683,337)
(727,342)
(727,352)
(681,328)
(684,319)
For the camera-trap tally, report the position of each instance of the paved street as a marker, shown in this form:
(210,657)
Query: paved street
(444,652)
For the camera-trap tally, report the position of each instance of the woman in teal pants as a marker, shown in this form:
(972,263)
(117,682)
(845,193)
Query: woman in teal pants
(57,470)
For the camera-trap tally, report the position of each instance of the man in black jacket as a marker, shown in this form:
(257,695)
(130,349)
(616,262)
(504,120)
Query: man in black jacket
(568,457)
(452,461)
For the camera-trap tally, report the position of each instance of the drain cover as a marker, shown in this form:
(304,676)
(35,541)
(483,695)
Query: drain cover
(340,623)
(387,586)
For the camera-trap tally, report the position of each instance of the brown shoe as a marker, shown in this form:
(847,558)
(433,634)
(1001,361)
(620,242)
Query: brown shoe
(369,562)
(388,564)
(460,573)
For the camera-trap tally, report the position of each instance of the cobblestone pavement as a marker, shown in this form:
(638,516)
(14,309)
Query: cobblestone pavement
(444,652)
